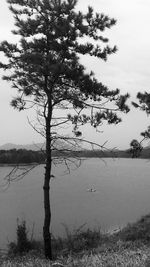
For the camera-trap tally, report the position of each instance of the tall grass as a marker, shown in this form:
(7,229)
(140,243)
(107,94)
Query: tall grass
(23,244)
(79,240)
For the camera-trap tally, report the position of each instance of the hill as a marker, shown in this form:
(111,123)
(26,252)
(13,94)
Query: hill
(34,146)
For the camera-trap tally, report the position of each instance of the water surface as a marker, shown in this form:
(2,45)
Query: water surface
(122,195)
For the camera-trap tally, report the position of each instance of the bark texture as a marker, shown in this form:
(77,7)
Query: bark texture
(46,187)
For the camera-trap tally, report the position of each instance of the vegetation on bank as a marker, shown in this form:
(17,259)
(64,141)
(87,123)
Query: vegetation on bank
(18,156)
(23,156)
(128,247)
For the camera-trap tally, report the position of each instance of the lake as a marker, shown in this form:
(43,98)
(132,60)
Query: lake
(122,195)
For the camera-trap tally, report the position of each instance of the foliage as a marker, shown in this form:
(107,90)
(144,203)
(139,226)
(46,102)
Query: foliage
(143,104)
(44,66)
(136,148)
(146,134)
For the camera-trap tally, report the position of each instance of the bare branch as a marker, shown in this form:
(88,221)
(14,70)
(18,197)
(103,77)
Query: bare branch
(34,128)
(17,173)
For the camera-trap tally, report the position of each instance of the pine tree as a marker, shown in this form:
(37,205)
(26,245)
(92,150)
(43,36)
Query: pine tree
(44,66)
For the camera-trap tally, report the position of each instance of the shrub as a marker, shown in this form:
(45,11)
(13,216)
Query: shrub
(23,244)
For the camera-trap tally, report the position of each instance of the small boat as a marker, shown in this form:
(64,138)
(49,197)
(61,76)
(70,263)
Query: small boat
(91,190)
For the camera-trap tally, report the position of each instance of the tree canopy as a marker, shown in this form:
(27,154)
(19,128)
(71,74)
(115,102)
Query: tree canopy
(45,63)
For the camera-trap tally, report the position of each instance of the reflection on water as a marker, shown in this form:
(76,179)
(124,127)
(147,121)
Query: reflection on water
(120,193)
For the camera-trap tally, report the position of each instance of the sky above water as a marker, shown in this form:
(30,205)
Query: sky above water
(128,70)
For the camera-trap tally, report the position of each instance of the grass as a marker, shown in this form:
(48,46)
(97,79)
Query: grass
(137,257)
(130,247)
(137,231)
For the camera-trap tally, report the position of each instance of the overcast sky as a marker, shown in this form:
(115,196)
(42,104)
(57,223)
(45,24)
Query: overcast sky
(128,70)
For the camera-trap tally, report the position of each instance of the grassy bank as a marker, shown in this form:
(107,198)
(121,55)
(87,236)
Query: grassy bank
(90,248)
(123,256)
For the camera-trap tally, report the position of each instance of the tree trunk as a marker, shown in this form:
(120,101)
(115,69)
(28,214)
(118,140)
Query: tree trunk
(47,210)
(46,188)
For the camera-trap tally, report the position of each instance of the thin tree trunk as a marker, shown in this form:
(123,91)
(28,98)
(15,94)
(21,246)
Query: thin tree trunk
(47,219)
(46,188)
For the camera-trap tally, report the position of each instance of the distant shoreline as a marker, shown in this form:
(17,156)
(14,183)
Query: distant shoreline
(24,157)
(82,158)
(19,164)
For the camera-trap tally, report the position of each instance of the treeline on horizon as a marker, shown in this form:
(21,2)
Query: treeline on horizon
(18,156)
